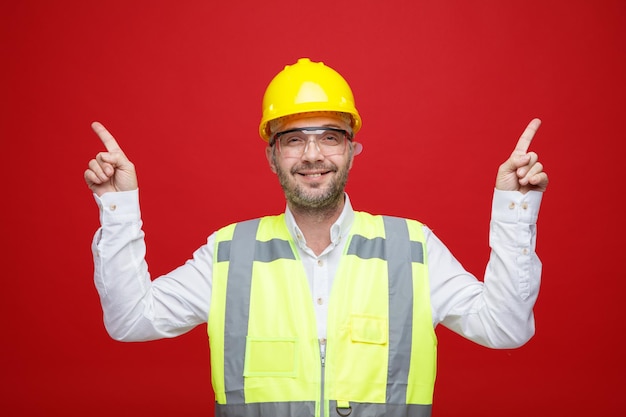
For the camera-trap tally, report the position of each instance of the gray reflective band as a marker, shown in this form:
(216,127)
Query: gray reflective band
(247,250)
(269,409)
(399,251)
(273,250)
(366,248)
(307,409)
(377,410)
(238,308)
(269,251)
(417,252)
(223,251)
(400,307)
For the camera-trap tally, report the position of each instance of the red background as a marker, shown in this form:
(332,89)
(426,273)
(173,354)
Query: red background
(444,88)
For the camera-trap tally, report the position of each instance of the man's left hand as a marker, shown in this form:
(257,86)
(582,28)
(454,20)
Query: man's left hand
(522,171)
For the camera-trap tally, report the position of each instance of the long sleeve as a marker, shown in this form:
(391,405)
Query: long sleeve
(136,308)
(497,312)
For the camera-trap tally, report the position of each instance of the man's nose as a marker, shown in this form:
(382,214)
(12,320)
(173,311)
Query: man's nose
(312,151)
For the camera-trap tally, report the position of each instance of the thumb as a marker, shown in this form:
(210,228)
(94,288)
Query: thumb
(516,161)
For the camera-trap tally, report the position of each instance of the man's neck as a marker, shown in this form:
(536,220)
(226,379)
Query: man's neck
(315,224)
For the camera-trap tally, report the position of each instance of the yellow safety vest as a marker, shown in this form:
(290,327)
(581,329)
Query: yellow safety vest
(381,346)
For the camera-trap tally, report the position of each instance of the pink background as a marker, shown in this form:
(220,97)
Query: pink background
(444,89)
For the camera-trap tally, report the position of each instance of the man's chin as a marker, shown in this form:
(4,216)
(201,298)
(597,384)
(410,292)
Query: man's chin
(310,200)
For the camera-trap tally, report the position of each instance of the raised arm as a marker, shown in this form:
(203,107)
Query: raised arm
(135,307)
(497,312)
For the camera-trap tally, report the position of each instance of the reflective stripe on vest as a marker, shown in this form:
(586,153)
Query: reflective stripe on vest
(240,249)
(240,271)
(394,249)
(294,408)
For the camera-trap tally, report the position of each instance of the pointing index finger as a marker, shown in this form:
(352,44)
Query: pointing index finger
(527,136)
(106,137)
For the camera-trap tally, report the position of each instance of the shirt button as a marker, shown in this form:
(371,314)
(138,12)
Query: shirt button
(525,251)
(113,207)
(525,206)
(320,301)
(512,206)
(320,262)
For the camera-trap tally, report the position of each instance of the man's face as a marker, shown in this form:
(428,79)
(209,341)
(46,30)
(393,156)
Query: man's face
(312,181)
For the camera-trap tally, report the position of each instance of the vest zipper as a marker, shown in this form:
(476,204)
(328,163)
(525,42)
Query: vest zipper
(323,363)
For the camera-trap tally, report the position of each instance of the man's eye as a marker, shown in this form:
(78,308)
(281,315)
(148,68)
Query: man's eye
(330,139)
(293,141)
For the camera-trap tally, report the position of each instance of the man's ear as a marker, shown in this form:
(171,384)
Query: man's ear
(269,154)
(357,148)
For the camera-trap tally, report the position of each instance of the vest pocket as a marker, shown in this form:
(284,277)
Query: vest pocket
(368,329)
(271,356)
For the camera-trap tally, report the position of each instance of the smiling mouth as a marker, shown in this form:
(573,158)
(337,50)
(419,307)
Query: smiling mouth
(312,171)
(313,174)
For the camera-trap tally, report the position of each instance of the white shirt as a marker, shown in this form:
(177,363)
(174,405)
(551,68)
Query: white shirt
(497,312)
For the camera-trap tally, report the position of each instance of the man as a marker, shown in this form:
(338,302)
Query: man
(281,344)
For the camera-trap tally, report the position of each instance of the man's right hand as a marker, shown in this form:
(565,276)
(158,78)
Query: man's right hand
(111,170)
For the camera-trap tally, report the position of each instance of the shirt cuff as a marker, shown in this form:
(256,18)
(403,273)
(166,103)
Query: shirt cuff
(118,207)
(515,207)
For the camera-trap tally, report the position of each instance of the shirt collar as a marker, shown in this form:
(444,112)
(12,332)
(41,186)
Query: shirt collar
(338,231)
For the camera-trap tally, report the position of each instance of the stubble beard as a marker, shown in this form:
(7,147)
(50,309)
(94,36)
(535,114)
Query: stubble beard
(308,201)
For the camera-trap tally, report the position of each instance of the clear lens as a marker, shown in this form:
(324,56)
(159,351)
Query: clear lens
(294,142)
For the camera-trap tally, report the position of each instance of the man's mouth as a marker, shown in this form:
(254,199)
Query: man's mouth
(313,174)
(312,171)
